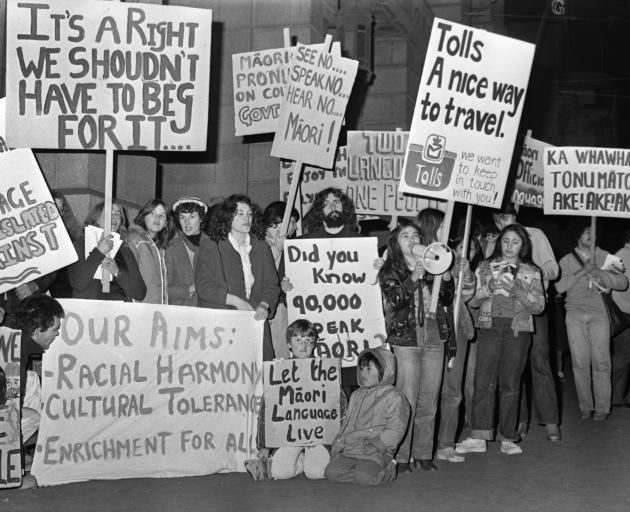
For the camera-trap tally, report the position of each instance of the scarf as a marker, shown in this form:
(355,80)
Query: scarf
(243,251)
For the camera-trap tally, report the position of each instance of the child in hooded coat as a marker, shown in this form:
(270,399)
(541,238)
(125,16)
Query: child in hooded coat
(375,423)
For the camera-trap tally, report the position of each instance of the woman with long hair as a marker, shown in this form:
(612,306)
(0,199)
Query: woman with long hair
(147,239)
(509,291)
(126,284)
(235,268)
(588,327)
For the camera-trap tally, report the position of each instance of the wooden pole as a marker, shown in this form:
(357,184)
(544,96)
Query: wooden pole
(460,277)
(107,209)
(446,228)
(593,238)
(295,183)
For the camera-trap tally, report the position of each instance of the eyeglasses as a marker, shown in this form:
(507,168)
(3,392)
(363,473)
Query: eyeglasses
(334,202)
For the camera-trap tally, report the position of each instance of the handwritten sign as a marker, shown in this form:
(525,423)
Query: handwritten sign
(587,181)
(467,114)
(301,402)
(375,163)
(314,105)
(314,179)
(33,239)
(10,445)
(107,75)
(3,113)
(336,287)
(140,390)
(529,184)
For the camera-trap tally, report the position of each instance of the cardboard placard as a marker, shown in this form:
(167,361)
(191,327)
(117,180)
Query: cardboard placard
(301,402)
(10,444)
(314,179)
(375,163)
(33,239)
(587,181)
(467,114)
(336,287)
(530,175)
(107,75)
(314,104)
(135,390)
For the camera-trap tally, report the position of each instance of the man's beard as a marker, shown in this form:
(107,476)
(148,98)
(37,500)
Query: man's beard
(334,219)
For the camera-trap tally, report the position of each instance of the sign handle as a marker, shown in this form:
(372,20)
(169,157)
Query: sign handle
(446,228)
(107,209)
(393,222)
(295,183)
(460,279)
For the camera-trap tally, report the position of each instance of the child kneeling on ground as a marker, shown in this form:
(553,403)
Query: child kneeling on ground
(377,417)
(290,461)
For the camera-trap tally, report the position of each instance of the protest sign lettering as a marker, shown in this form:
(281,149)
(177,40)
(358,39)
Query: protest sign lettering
(375,162)
(587,181)
(107,75)
(301,402)
(314,105)
(467,114)
(335,286)
(3,138)
(33,239)
(10,444)
(529,184)
(314,179)
(135,390)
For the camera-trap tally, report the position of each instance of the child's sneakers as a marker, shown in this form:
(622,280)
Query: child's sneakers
(510,448)
(471,445)
(449,454)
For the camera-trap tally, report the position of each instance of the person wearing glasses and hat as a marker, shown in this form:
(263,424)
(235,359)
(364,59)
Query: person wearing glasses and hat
(182,252)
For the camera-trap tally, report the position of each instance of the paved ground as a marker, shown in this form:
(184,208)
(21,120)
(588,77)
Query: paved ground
(588,471)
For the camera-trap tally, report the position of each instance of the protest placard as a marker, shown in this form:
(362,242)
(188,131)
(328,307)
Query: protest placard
(10,444)
(375,162)
(301,402)
(314,106)
(141,390)
(33,239)
(529,183)
(3,138)
(107,75)
(314,179)
(587,181)
(467,114)
(335,286)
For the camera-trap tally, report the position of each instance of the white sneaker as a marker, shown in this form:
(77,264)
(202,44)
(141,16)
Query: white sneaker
(449,454)
(471,445)
(510,448)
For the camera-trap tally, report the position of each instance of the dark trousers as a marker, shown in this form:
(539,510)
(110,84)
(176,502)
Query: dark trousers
(544,403)
(620,368)
(501,359)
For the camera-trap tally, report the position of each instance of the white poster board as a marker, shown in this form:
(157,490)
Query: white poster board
(135,390)
(467,114)
(10,444)
(301,402)
(314,105)
(587,181)
(530,175)
(107,75)
(336,287)
(33,239)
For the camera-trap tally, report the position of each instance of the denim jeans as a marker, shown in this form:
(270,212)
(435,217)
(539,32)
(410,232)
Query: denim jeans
(418,377)
(544,404)
(469,388)
(501,359)
(620,367)
(589,341)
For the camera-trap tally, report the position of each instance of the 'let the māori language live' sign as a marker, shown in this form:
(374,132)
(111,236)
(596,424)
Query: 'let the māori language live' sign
(587,181)
(301,402)
(139,390)
(336,287)
(107,75)
(10,452)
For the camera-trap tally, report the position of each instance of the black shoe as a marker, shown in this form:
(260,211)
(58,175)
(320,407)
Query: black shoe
(404,468)
(426,464)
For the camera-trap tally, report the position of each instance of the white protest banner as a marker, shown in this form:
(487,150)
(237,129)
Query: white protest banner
(141,390)
(375,162)
(107,75)
(314,179)
(529,184)
(3,138)
(10,444)
(587,181)
(33,239)
(301,402)
(467,114)
(314,106)
(335,286)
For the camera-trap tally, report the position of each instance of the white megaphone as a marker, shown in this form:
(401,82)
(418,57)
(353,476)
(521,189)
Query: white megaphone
(436,257)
